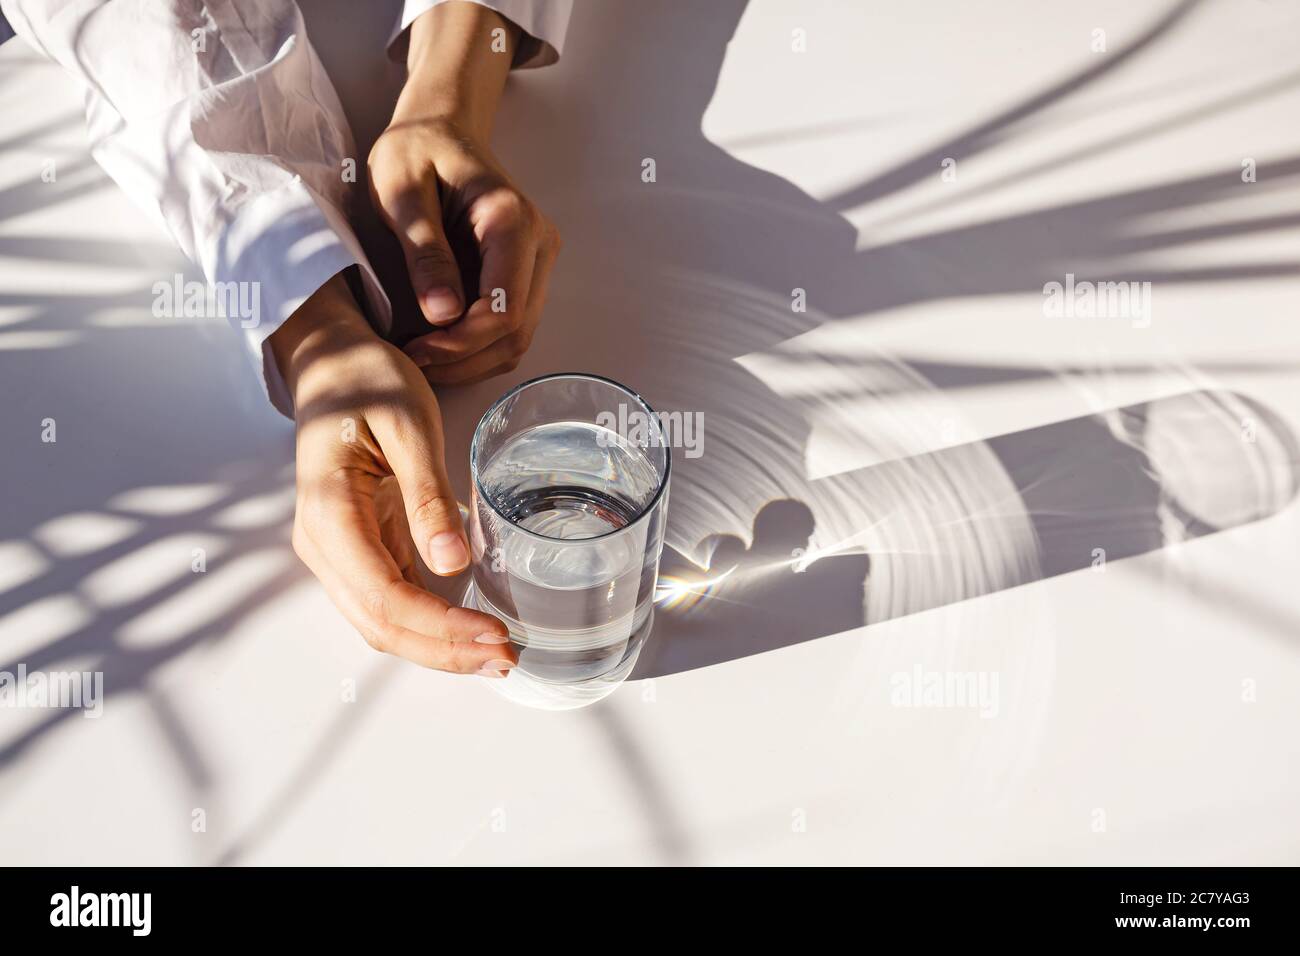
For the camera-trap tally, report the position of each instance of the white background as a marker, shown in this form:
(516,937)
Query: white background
(1146,712)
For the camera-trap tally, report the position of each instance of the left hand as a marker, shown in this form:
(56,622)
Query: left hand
(371,478)
(478,252)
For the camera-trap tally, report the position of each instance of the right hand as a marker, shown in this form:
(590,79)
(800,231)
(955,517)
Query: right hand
(373,490)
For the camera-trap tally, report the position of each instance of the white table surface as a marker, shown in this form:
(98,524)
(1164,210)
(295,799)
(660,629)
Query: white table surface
(1146,709)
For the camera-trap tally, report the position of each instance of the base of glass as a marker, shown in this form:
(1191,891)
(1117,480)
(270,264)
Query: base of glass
(523,688)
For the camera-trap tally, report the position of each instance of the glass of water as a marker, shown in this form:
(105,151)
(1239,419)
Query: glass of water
(570,480)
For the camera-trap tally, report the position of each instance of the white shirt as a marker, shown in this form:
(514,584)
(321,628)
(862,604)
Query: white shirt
(218,118)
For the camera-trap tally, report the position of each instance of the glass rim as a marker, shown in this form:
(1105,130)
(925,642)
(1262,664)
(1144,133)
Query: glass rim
(587,377)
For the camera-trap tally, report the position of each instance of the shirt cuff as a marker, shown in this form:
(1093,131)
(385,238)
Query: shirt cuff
(280,248)
(543,22)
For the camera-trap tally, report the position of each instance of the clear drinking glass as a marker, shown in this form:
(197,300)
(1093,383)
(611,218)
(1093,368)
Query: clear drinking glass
(570,480)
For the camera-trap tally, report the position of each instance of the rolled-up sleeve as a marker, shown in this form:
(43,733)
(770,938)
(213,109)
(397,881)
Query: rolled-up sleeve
(543,22)
(218,118)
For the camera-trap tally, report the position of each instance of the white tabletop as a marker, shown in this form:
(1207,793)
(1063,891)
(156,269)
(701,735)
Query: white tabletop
(1121,585)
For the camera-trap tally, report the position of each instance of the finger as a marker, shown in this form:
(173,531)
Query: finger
(548,250)
(415,216)
(394,535)
(508,243)
(413,450)
(481,327)
(411,572)
(453,658)
(393,615)
(504,354)
(403,555)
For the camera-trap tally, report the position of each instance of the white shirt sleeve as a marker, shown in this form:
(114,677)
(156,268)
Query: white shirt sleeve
(218,118)
(544,23)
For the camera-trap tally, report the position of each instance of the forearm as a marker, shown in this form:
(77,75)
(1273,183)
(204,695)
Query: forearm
(327,325)
(457,63)
(242,169)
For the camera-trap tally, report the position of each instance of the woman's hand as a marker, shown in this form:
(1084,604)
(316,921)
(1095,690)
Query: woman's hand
(373,491)
(478,252)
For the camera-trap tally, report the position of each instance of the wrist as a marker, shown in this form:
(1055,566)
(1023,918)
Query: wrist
(442,117)
(457,62)
(329,323)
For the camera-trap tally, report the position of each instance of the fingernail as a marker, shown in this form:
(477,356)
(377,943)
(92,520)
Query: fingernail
(490,638)
(447,552)
(485,672)
(495,668)
(441,304)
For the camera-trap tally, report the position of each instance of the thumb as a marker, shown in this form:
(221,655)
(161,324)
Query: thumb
(416,219)
(415,456)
